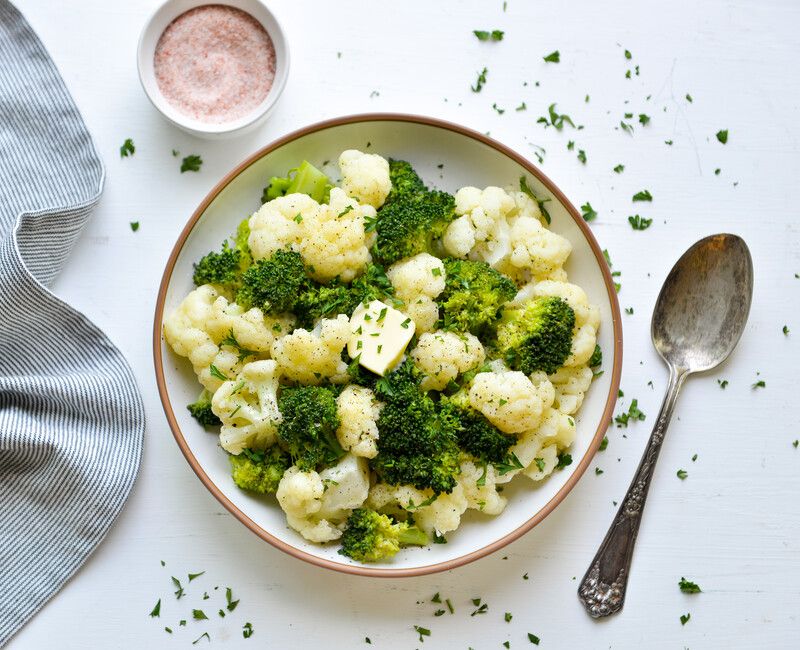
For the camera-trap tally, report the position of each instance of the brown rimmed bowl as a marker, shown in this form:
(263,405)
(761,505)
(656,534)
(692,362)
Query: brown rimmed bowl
(448,156)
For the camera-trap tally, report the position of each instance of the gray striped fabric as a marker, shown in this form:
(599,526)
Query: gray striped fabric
(71,418)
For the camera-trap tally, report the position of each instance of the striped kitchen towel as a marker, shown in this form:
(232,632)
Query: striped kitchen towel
(71,417)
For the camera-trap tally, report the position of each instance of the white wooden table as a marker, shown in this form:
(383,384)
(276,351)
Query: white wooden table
(733,525)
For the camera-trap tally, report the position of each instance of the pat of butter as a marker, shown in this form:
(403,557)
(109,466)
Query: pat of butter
(379,336)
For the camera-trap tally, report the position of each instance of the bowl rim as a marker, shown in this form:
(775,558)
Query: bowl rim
(193,126)
(536,518)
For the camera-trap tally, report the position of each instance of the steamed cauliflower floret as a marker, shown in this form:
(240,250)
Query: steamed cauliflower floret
(481,229)
(536,249)
(250,328)
(556,430)
(365,177)
(509,400)
(442,356)
(330,237)
(276,225)
(480,489)
(358,412)
(248,408)
(334,242)
(570,385)
(313,357)
(525,205)
(346,488)
(544,463)
(299,495)
(442,515)
(417,281)
(186,330)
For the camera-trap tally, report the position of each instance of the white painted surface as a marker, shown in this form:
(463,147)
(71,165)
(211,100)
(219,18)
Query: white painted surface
(733,525)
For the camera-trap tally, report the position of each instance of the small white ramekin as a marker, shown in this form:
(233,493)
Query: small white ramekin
(148,40)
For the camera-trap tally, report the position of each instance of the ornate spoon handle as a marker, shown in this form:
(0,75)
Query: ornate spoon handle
(602,590)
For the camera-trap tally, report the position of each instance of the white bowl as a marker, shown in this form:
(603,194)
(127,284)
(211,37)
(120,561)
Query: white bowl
(469,158)
(148,40)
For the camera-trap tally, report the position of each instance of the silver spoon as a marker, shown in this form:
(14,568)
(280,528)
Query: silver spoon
(698,319)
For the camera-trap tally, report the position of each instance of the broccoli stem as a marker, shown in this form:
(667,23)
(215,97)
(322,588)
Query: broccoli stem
(310,180)
(412,536)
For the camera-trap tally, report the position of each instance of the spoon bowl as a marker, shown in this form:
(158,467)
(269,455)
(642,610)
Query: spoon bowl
(702,308)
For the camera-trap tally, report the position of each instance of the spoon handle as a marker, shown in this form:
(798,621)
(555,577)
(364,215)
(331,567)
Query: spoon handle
(602,590)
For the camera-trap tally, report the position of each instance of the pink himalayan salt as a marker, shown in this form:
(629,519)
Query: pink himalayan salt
(215,63)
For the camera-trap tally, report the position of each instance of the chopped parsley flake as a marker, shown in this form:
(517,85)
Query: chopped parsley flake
(588,212)
(507,617)
(494,35)
(688,587)
(619,168)
(598,471)
(191,163)
(156,612)
(134,226)
(229,599)
(499,110)
(694,458)
(629,310)
(760,384)
(217,373)
(785,330)
(685,618)
(555,119)
(177,583)
(639,223)
(524,187)
(564,460)
(533,639)
(722,136)
(480,81)
(582,156)
(199,615)
(127,148)
(644,119)
(633,414)
(722,383)
(522,107)
(628,55)
(204,634)
(192,576)
(553,57)
(689,98)
(682,474)
(603,443)
(247,630)
(643,195)
(423,632)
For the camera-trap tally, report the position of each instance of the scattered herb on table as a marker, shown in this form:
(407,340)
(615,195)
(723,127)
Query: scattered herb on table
(619,168)
(644,119)
(199,615)
(179,592)
(685,618)
(553,57)
(723,383)
(134,226)
(628,55)
(682,474)
(688,587)
(423,632)
(494,35)
(760,384)
(629,310)
(229,599)
(247,630)
(204,634)
(480,81)
(191,163)
(522,107)
(722,136)
(555,119)
(639,223)
(642,195)
(499,110)
(156,612)
(689,98)
(192,576)
(604,443)
(795,443)
(127,148)
(785,330)
(533,639)
(588,212)
(668,142)
(598,471)
(694,458)
(626,127)
(582,156)
(633,413)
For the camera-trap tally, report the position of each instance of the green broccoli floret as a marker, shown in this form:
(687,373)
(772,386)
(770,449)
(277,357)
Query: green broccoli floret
(596,360)
(476,435)
(226,267)
(201,411)
(308,427)
(223,268)
(537,336)
(371,537)
(321,300)
(305,179)
(416,444)
(274,284)
(405,181)
(412,217)
(260,471)
(473,295)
